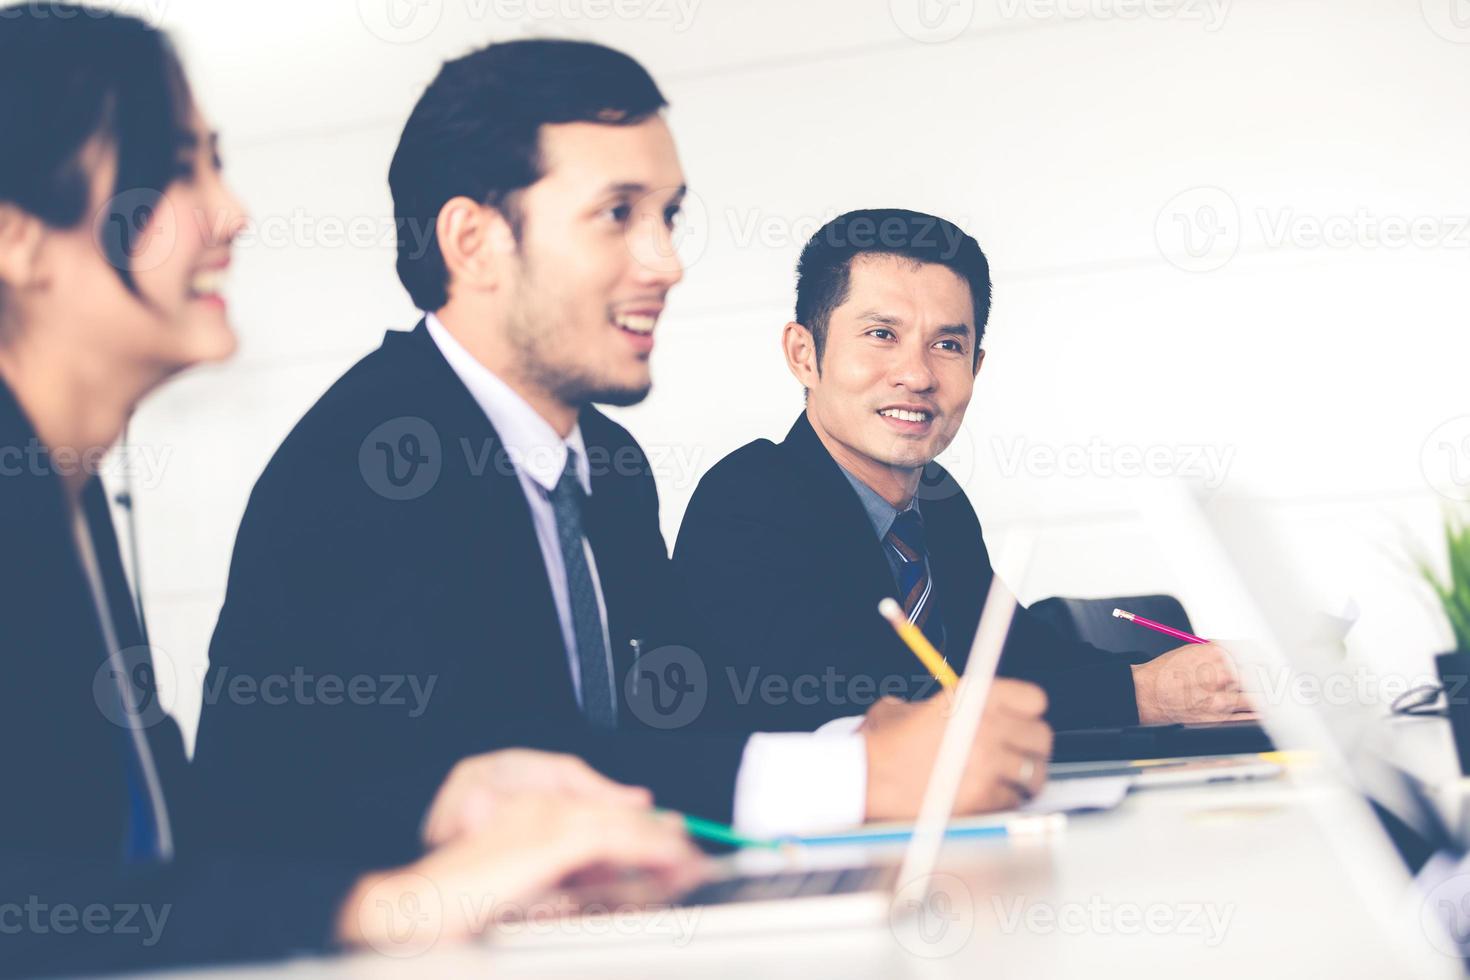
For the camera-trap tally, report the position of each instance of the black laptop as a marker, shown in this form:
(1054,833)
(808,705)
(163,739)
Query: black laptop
(1092,621)
(1160,741)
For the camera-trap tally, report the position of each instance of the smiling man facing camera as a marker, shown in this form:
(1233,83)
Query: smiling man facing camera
(786,549)
(454,509)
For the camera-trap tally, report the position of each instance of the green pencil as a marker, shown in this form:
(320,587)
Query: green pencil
(719,833)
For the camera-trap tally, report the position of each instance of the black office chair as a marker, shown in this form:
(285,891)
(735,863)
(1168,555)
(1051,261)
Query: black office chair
(1092,621)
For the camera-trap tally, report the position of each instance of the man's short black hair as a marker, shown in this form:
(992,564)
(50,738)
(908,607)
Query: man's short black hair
(475,133)
(824,270)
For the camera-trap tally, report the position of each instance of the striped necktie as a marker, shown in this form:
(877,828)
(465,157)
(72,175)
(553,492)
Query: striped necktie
(599,700)
(915,586)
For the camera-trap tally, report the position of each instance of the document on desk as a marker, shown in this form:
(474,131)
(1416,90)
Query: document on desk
(1054,801)
(1080,795)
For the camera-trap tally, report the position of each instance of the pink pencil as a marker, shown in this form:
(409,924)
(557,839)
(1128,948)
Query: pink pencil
(1158,627)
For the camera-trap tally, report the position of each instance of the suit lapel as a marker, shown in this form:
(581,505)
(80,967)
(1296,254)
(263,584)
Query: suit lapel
(960,575)
(845,526)
(515,621)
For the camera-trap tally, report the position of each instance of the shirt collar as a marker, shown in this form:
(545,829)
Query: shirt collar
(529,440)
(880,512)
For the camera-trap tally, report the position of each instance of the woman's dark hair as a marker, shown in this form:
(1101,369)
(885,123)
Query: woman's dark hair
(73,78)
(475,132)
(824,270)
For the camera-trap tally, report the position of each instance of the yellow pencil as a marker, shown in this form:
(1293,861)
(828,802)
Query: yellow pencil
(931,658)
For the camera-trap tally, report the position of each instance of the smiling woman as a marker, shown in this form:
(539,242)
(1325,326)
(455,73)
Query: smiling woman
(114,224)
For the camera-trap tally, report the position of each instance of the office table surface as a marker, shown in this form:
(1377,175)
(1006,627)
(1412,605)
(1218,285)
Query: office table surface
(1228,880)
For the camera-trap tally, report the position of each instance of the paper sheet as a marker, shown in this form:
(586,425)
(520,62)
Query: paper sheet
(1074,795)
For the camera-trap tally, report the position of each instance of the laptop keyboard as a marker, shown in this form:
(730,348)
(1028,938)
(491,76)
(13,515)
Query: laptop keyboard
(789,884)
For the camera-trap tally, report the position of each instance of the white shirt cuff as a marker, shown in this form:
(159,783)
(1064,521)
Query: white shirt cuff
(793,783)
(842,726)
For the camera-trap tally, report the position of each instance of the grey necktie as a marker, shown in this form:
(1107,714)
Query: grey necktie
(598,702)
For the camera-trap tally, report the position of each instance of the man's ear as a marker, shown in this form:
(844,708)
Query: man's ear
(800,348)
(20,245)
(476,240)
(979,361)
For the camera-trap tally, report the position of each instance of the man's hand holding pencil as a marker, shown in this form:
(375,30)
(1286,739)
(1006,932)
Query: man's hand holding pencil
(1197,682)
(1006,767)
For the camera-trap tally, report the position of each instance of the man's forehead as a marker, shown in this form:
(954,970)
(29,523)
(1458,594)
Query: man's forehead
(895,286)
(636,153)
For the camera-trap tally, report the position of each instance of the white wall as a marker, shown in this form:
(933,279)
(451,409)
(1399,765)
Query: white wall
(1079,140)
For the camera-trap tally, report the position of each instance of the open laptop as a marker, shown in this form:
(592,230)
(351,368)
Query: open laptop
(1232,552)
(1161,741)
(810,891)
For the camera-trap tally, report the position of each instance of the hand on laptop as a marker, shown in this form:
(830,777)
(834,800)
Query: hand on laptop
(1006,766)
(532,843)
(477,785)
(1193,683)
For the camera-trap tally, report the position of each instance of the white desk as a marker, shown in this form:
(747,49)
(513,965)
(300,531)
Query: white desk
(1229,881)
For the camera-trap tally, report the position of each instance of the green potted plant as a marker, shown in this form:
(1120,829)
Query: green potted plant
(1453,666)
(1454,593)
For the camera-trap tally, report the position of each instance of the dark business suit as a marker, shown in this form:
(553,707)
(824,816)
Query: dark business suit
(65,814)
(339,572)
(783,572)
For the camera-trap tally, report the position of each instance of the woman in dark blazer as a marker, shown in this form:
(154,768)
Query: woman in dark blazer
(115,232)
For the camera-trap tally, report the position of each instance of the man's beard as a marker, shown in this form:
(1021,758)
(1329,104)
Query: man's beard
(570,384)
(618,397)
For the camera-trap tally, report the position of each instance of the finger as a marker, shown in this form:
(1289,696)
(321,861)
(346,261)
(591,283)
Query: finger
(1017,698)
(579,779)
(1006,796)
(1228,703)
(1037,781)
(1230,676)
(476,810)
(435,830)
(645,841)
(1025,775)
(1226,669)
(584,836)
(988,793)
(1031,739)
(460,811)
(1208,671)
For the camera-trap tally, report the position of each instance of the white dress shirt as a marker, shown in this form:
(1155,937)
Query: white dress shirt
(789,782)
